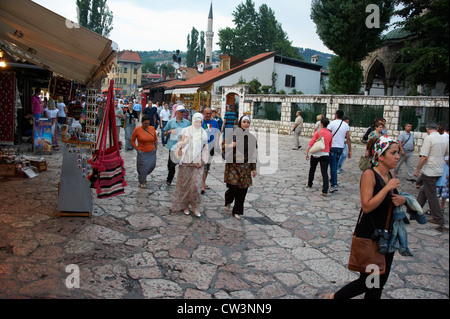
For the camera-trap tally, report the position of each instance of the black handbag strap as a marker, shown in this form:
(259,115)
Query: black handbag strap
(338,129)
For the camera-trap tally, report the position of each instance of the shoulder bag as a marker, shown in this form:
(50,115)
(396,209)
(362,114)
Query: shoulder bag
(364,252)
(107,163)
(319,145)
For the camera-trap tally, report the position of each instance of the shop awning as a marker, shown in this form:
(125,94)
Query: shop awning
(35,34)
(186,91)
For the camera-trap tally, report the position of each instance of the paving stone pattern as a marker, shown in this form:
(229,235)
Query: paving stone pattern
(291,243)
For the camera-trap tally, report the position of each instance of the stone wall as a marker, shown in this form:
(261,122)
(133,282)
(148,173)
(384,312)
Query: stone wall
(391,111)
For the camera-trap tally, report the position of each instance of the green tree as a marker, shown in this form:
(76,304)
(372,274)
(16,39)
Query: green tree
(149,66)
(342,27)
(255,33)
(425,57)
(95,16)
(195,47)
(345,76)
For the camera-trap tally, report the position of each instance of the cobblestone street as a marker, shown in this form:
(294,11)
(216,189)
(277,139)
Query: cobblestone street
(291,243)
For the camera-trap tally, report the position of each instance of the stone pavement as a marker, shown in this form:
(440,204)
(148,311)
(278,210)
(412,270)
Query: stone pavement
(292,243)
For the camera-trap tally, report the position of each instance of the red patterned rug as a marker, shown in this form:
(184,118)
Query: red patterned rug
(7,108)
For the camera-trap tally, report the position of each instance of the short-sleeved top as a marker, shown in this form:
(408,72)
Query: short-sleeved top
(52,114)
(146,139)
(152,113)
(173,124)
(327,137)
(61,107)
(339,137)
(435,147)
(212,128)
(299,121)
(230,117)
(36,103)
(165,115)
(119,111)
(407,141)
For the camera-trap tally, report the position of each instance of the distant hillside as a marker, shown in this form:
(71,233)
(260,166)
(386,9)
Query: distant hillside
(162,56)
(324,58)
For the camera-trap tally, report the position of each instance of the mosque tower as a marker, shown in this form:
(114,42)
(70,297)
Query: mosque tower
(209,38)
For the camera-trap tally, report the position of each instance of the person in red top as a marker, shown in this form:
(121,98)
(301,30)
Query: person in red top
(36,104)
(146,147)
(322,157)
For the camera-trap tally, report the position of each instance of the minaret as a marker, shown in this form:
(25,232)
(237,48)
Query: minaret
(209,38)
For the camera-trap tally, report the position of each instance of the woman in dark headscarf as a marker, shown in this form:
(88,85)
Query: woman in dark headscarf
(239,152)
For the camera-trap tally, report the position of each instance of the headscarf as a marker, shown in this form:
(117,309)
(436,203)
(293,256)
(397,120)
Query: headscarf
(380,146)
(197,138)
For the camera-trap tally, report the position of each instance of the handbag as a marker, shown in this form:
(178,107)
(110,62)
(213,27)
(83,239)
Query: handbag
(364,163)
(364,252)
(108,165)
(319,145)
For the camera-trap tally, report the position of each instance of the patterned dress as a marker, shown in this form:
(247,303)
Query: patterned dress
(189,179)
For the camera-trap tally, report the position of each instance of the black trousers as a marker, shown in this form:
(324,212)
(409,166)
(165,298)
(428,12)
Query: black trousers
(171,167)
(324,163)
(236,195)
(358,287)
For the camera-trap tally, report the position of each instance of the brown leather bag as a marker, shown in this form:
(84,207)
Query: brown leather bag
(364,252)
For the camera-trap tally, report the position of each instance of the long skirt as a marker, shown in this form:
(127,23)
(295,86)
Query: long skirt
(129,128)
(188,188)
(145,164)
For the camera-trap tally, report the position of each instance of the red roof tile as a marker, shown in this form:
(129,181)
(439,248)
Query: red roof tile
(216,74)
(129,56)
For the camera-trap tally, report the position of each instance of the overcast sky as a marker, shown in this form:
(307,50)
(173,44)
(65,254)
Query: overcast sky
(148,25)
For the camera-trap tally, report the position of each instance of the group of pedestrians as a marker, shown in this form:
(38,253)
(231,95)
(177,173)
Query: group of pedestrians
(379,183)
(336,138)
(192,146)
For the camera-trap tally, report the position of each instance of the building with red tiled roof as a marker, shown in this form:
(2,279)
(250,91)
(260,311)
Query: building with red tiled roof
(127,74)
(271,70)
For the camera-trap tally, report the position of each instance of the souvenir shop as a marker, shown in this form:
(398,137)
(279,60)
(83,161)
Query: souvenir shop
(40,49)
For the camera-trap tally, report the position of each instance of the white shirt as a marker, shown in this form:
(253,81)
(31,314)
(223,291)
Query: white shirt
(165,115)
(435,147)
(61,107)
(339,138)
(52,114)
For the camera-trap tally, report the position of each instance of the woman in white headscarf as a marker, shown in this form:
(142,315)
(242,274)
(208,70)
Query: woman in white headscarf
(192,151)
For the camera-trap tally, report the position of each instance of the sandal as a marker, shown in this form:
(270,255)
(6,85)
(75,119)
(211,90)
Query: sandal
(227,207)
(237,217)
(197,214)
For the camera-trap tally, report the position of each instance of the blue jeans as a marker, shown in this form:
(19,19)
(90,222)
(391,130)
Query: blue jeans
(163,138)
(335,154)
(342,158)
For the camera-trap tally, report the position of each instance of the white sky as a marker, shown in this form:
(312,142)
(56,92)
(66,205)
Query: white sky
(148,25)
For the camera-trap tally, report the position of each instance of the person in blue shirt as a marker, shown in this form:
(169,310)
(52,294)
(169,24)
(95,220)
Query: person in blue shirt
(230,120)
(211,127)
(152,112)
(137,108)
(172,132)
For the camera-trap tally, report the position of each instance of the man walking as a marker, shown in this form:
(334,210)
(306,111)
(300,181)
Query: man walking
(406,145)
(172,131)
(340,131)
(431,166)
(297,129)
(165,117)
(211,127)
